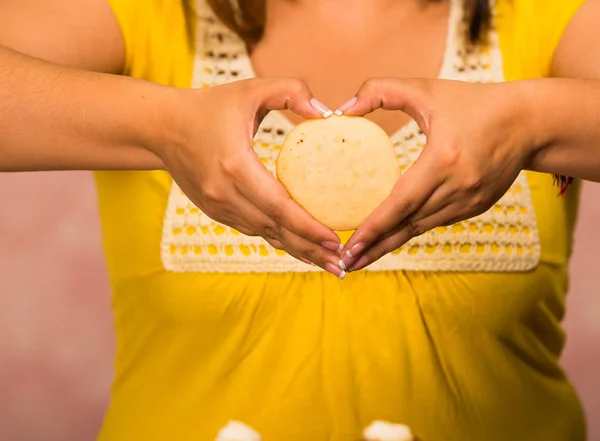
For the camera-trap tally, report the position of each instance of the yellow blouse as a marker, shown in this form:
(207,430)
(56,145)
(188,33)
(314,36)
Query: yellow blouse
(300,355)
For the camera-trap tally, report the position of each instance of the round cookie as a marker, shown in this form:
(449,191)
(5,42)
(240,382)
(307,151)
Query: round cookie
(339,169)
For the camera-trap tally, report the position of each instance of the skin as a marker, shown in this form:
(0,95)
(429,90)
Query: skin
(93,120)
(59,89)
(337,59)
(555,129)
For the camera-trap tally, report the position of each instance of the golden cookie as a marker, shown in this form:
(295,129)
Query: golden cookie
(339,169)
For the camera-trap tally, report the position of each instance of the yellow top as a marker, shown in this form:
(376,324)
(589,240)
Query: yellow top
(302,356)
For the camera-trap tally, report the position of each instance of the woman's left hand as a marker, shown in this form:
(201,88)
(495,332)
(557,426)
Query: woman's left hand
(479,137)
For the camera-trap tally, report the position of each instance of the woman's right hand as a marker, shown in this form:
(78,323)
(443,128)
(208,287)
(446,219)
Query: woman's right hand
(211,157)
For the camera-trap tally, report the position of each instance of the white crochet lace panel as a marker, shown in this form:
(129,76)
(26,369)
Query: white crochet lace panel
(505,238)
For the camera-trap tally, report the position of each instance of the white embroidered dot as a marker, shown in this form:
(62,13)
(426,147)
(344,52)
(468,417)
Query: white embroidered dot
(237,431)
(384,431)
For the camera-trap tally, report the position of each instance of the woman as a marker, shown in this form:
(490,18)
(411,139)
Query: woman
(456,334)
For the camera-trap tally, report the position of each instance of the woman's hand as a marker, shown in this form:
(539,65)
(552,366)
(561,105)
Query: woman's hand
(202,137)
(477,143)
(211,158)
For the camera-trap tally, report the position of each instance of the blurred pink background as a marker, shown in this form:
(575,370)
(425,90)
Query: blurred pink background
(56,340)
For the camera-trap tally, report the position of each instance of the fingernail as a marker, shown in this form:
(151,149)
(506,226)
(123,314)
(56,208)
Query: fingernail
(335,270)
(321,108)
(346,106)
(355,250)
(352,254)
(360,263)
(333,246)
(342,265)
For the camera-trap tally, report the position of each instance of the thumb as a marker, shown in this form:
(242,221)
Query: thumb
(283,94)
(409,96)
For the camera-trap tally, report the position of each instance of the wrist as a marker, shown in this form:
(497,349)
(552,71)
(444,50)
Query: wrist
(125,120)
(534,99)
(163,129)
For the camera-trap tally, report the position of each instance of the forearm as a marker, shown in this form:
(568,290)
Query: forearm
(55,118)
(565,116)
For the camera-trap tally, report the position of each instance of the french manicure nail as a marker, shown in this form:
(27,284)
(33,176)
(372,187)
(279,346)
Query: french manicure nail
(355,250)
(342,265)
(335,270)
(333,246)
(352,254)
(346,105)
(321,108)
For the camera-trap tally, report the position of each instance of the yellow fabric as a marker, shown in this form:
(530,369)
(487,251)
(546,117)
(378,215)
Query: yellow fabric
(465,356)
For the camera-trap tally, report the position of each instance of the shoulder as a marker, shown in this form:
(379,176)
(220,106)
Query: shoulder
(531,30)
(159,39)
(77,33)
(578,52)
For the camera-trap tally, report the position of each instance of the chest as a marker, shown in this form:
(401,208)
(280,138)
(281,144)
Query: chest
(336,61)
(222,57)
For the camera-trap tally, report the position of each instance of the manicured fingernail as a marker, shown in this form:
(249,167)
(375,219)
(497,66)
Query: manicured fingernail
(321,108)
(352,254)
(335,270)
(346,106)
(333,246)
(342,265)
(360,263)
(355,250)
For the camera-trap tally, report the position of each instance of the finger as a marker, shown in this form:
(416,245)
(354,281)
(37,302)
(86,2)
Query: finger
(287,93)
(311,255)
(270,240)
(265,192)
(410,193)
(299,247)
(440,199)
(412,224)
(247,219)
(328,266)
(279,246)
(246,213)
(239,217)
(305,250)
(244,230)
(228,214)
(403,235)
(409,96)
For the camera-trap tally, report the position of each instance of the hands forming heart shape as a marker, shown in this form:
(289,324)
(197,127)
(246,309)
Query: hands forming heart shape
(476,147)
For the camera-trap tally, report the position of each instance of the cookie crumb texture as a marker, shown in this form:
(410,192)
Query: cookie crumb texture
(338,169)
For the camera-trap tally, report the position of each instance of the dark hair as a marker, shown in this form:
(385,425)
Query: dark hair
(248,21)
(479,15)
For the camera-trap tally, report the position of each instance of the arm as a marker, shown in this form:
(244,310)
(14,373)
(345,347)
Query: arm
(58,117)
(547,125)
(55,117)
(567,111)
